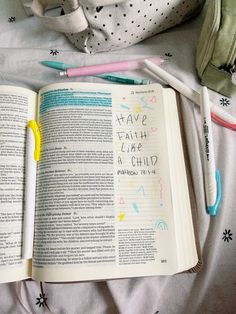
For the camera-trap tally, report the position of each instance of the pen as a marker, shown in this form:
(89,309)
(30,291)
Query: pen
(109,67)
(193,95)
(32,155)
(117,78)
(211,176)
(124,79)
(57,65)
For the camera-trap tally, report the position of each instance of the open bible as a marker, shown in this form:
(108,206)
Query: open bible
(111,191)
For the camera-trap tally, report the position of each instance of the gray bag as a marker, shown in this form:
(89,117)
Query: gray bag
(27,6)
(105,25)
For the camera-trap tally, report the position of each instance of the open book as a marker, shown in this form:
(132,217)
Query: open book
(112,198)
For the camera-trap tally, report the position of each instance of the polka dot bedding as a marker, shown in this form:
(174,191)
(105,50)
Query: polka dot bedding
(119,24)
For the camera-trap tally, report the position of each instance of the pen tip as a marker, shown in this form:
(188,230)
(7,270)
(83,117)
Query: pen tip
(46,63)
(212,212)
(146,82)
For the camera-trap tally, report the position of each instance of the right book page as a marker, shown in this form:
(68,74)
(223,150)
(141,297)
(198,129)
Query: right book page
(143,198)
(183,220)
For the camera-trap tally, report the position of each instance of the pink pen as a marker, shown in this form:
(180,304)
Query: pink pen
(109,67)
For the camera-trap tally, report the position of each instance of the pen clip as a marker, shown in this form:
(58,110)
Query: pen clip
(33,125)
(212,210)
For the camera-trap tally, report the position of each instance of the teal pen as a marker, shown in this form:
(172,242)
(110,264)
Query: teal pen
(57,65)
(118,78)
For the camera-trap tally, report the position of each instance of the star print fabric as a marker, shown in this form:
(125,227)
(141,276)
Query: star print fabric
(26,42)
(227,235)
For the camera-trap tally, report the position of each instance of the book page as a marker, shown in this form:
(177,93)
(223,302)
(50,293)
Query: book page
(103,201)
(184,231)
(17,105)
(143,202)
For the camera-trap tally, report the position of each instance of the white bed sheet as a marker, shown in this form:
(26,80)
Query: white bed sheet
(23,43)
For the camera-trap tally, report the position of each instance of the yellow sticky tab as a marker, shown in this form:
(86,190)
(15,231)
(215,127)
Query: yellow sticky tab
(33,125)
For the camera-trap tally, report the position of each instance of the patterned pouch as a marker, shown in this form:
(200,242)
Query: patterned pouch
(105,25)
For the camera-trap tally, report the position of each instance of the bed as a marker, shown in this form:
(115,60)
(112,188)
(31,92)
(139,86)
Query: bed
(24,41)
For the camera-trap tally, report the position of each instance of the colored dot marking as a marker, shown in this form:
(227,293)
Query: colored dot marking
(141,189)
(121,216)
(161,224)
(135,207)
(153,99)
(131,184)
(125,106)
(145,104)
(137,109)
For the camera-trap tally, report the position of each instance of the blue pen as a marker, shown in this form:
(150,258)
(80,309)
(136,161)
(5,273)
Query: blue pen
(118,78)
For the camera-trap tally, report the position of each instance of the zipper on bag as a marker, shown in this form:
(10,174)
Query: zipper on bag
(208,45)
(232,62)
(233,72)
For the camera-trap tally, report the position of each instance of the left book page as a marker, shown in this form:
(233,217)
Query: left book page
(17,106)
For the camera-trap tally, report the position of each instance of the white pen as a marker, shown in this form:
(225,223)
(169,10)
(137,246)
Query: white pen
(32,155)
(187,91)
(208,148)
(211,175)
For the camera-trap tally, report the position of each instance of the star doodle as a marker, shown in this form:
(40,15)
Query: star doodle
(224,102)
(41,301)
(168,54)
(227,235)
(54,52)
(11,19)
